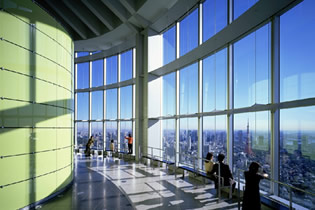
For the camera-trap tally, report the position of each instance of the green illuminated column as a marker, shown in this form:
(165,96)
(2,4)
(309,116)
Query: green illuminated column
(36,105)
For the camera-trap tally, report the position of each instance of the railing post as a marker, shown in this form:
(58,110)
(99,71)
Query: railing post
(174,169)
(219,183)
(238,192)
(290,191)
(194,159)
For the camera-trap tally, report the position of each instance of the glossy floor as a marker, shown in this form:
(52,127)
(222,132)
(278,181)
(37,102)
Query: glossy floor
(112,183)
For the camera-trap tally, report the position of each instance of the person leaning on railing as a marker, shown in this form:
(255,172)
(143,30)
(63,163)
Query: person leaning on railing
(251,199)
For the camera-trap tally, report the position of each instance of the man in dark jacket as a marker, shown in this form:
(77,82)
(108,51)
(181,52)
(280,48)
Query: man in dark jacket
(225,172)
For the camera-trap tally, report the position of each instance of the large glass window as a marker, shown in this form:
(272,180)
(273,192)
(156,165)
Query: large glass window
(241,6)
(82,106)
(215,82)
(169,94)
(83,75)
(126,102)
(111,133)
(111,104)
(97,73)
(82,134)
(169,45)
(252,142)
(188,89)
(111,70)
(214,17)
(214,135)
(188,141)
(188,33)
(297,44)
(97,105)
(252,69)
(168,140)
(125,130)
(126,65)
(297,156)
(97,133)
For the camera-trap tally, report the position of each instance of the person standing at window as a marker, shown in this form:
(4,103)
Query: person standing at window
(251,199)
(130,141)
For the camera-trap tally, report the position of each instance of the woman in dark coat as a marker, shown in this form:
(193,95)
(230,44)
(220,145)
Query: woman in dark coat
(251,199)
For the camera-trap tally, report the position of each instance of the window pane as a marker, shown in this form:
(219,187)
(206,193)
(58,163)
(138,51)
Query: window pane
(188,89)
(126,65)
(169,95)
(97,73)
(97,133)
(125,130)
(297,44)
(97,105)
(83,75)
(95,52)
(297,156)
(252,68)
(188,140)
(214,17)
(168,140)
(126,102)
(214,135)
(111,70)
(111,104)
(241,6)
(252,142)
(215,82)
(188,33)
(169,45)
(81,54)
(82,134)
(111,133)
(82,106)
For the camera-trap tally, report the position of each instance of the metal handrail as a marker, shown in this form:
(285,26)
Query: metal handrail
(278,182)
(291,187)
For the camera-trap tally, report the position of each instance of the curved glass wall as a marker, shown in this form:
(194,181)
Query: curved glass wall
(252,98)
(188,32)
(99,109)
(126,65)
(188,89)
(214,17)
(111,70)
(169,45)
(97,73)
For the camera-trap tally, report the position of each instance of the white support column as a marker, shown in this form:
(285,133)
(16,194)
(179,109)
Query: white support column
(200,24)
(134,100)
(230,120)
(104,105)
(90,98)
(118,105)
(141,91)
(200,147)
(177,119)
(75,104)
(275,97)
(230,93)
(177,99)
(177,39)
